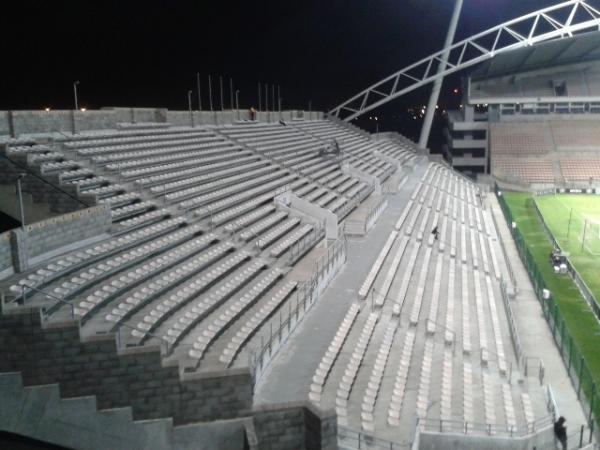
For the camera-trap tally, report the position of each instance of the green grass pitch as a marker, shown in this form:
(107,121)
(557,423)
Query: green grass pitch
(568,216)
(579,318)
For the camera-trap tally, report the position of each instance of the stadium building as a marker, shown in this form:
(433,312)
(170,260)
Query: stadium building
(281,279)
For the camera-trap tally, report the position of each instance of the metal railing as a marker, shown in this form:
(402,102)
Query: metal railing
(483,429)
(512,325)
(281,326)
(357,440)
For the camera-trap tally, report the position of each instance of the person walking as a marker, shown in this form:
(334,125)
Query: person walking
(560,431)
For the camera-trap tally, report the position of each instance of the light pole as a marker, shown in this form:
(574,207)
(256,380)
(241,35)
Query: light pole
(237,103)
(20,197)
(437,84)
(190,108)
(75,83)
(199,92)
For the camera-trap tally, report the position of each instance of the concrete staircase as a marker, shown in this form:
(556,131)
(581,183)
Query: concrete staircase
(39,412)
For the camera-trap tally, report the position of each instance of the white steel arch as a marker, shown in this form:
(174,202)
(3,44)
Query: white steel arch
(552,23)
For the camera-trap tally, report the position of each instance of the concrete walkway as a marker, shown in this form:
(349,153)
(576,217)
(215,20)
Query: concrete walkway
(289,375)
(536,337)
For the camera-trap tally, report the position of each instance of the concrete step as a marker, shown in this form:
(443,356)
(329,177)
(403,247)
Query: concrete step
(40,413)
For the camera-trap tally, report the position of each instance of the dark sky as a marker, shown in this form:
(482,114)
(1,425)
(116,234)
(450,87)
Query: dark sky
(146,53)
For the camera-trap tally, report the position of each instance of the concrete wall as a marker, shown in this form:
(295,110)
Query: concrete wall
(65,121)
(295,426)
(6,260)
(19,248)
(56,232)
(138,379)
(44,237)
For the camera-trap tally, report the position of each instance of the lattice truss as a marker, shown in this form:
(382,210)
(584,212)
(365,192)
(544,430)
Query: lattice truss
(556,22)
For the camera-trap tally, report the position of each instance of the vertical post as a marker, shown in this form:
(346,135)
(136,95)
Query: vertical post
(221,85)
(231,93)
(273,97)
(199,91)
(210,93)
(259,98)
(279,97)
(190,108)
(75,83)
(569,226)
(21,210)
(237,103)
(584,231)
(437,85)
(266,97)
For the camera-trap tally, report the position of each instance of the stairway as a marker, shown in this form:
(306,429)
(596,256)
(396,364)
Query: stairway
(39,412)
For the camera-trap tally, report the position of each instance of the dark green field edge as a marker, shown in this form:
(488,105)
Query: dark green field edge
(572,323)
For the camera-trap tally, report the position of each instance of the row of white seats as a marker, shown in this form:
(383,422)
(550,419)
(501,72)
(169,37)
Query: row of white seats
(200,149)
(134,167)
(332,353)
(151,216)
(446,392)
(489,403)
(183,170)
(249,218)
(235,309)
(123,260)
(345,386)
(253,323)
(201,307)
(261,226)
(207,191)
(509,408)
(162,171)
(496,327)
(149,269)
(383,290)
(187,292)
(231,197)
(425,380)
(418,300)
(205,174)
(129,210)
(376,267)
(277,232)
(468,406)
(399,389)
(132,136)
(120,200)
(481,319)
(283,245)
(435,296)
(372,390)
(124,147)
(67,263)
(166,280)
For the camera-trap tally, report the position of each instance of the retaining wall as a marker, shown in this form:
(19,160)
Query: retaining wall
(135,378)
(19,247)
(15,123)
(295,426)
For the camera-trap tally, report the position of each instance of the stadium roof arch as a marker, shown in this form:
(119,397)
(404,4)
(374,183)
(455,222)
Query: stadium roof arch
(573,25)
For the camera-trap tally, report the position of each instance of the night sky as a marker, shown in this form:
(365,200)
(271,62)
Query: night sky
(146,53)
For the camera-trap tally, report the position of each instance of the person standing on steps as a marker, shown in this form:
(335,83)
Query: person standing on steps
(435,232)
